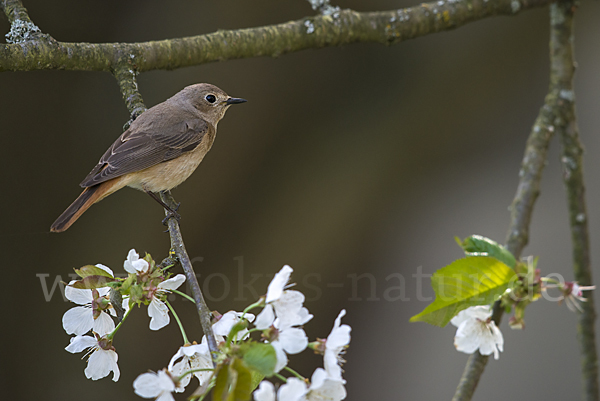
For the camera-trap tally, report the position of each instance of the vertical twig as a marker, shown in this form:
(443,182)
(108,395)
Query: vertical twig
(126,75)
(566,127)
(521,210)
(557,114)
(14,10)
(179,248)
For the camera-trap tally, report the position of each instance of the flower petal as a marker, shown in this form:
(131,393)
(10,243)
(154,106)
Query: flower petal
(330,361)
(173,283)
(265,392)
(179,369)
(475,333)
(165,397)
(189,352)
(78,295)
(159,314)
(152,385)
(277,285)
(324,387)
(106,269)
(224,325)
(293,340)
(134,264)
(78,320)
(288,309)
(103,324)
(202,361)
(281,356)
(340,334)
(481,312)
(304,316)
(265,318)
(101,363)
(80,343)
(293,390)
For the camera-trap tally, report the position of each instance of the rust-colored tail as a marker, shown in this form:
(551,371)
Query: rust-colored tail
(87,198)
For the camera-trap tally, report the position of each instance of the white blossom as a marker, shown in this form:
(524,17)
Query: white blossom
(103,358)
(294,390)
(158,385)
(286,304)
(477,331)
(324,387)
(278,284)
(191,357)
(290,340)
(336,343)
(133,263)
(158,310)
(284,311)
(81,319)
(224,325)
(265,392)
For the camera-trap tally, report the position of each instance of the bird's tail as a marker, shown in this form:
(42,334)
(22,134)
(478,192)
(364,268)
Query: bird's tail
(87,198)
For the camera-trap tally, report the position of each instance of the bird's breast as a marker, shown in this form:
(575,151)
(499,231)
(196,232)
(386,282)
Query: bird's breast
(167,175)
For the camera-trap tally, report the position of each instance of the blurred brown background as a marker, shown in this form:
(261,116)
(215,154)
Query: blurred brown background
(346,161)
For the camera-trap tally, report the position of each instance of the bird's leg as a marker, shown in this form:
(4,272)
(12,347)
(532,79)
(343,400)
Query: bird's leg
(172,212)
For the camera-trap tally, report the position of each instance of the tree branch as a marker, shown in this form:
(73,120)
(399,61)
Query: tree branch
(14,10)
(521,209)
(184,259)
(572,161)
(126,77)
(340,28)
(551,116)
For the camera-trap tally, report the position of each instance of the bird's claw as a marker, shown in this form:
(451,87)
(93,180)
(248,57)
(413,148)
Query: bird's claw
(172,214)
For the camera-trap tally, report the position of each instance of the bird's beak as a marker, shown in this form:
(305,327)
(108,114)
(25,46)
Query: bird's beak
(235,100)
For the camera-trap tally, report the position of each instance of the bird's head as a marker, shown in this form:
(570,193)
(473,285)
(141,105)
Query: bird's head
(209,100)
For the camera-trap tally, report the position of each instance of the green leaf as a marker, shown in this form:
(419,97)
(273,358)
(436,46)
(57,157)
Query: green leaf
(220,391)
(239,326)
(234,382)
(91,282)
(91,270)
(476,245)
(261,358)
(471,281)
(256,379)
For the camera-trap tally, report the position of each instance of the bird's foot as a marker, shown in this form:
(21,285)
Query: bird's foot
(172,214)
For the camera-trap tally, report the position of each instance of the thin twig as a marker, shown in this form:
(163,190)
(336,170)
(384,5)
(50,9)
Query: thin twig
(178,246)
(572,161)
(126,77)
(14,10)
(518,232)
(529,184)
(340,28)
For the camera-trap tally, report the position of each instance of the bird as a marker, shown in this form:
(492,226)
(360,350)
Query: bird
(161,148)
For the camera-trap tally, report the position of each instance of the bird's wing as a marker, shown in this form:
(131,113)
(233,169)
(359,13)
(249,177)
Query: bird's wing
(136,150)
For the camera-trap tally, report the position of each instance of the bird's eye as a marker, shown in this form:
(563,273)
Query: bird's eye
(211,98)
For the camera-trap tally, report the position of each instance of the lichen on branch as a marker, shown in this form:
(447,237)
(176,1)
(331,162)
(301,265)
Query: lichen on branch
(326,30)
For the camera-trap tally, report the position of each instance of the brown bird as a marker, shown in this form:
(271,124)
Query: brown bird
(159,151)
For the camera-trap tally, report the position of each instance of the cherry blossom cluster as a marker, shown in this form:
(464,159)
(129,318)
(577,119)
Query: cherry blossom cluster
(146,283)
(250,347)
